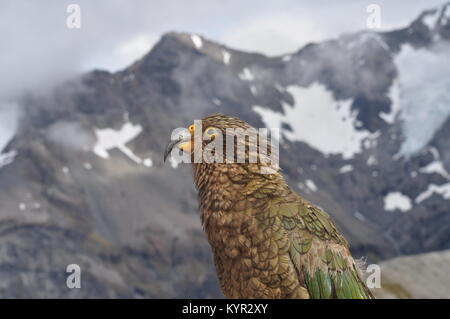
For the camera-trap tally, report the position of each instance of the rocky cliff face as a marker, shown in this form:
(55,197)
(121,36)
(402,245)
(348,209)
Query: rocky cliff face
(365,131)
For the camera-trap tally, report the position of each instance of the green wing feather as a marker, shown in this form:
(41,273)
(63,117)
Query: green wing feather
(317,250)
(319,253)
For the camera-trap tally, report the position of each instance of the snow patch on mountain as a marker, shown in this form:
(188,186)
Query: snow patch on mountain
(311,185)
(433,150)
(424,94)
(216,102)
(9,115)
(320,121)
(147,162)
(359,216)
(108,139)
(87,166)
(394,96)
(7,158)
(397,200)
(346,168)
(435,167)
(246,75)
(372,160)
(226,57)
(197,40)
(443,190)
(430,19)
(362,39)
(446,14)
(279,87)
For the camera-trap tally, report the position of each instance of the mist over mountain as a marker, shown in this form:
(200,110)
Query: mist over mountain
(365,128)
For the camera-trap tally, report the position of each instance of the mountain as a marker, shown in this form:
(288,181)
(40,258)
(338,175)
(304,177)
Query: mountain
(425,277)
(365,127)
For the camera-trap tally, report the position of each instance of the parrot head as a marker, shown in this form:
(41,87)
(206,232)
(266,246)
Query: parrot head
(197,135)
(220,138)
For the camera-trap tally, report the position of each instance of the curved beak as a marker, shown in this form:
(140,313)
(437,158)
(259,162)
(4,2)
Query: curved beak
(183,144)
(170,147)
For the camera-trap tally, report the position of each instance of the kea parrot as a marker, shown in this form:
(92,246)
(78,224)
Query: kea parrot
(267,240)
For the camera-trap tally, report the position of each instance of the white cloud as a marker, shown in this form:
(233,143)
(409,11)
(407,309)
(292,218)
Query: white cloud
(124,55)
(8,122)
(41,51)
(274,34)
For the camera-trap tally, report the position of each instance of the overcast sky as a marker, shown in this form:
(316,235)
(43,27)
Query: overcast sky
(38,50)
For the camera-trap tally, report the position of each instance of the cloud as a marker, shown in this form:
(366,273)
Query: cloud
(38,50)
(9,114)
(71,135)
(273,34)
(124,55)
(41,50)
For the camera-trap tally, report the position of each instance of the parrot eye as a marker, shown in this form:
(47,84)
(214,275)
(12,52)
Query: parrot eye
(210,131)
(191,128)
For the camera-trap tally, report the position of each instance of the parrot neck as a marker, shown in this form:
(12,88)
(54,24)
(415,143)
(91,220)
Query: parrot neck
(224,188)
(228,197)
(214,186)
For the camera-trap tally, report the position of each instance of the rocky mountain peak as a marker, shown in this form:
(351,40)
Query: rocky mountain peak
(84,178)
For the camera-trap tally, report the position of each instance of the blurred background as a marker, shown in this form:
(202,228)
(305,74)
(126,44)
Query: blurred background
(91,91)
